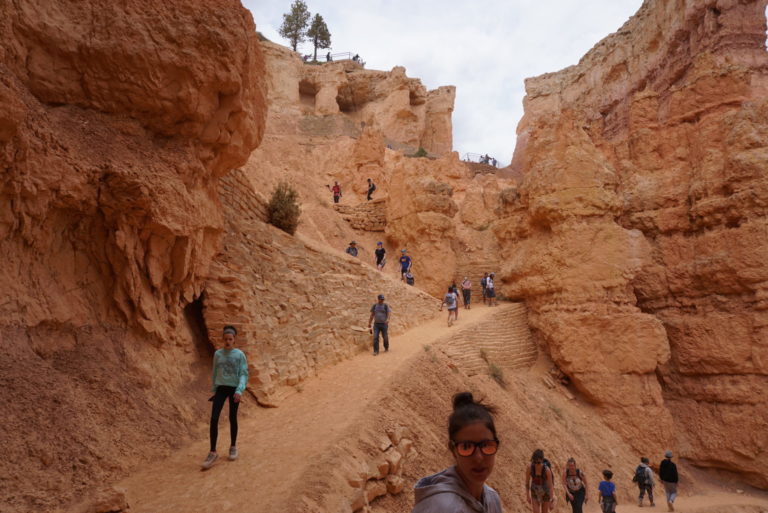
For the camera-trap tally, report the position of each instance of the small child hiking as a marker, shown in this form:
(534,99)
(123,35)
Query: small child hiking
(230,376)
(607,491)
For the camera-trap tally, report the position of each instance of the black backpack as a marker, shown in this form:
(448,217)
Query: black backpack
(541,478)
(641,477)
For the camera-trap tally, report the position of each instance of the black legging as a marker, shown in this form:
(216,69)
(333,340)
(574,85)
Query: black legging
(222,394)
(578,500)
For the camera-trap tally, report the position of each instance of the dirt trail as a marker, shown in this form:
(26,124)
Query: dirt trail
(276,445)
(717,502)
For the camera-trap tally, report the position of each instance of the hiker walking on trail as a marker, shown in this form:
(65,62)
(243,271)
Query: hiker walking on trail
(352,249)
(575,486)
(451,301)
(473,443)
(230,376)
(371,188)
(668,477)
(644,479)
(466,291)
(381,259)
(483,285)
(490,289)
(607,489)
(455,291)
(380,313)
(336,190)
(539,483)
(405,263)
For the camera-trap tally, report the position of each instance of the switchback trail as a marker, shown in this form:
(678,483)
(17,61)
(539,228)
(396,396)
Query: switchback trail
(276,445)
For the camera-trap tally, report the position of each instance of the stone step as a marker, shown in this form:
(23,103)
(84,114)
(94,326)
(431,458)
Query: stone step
(504,339)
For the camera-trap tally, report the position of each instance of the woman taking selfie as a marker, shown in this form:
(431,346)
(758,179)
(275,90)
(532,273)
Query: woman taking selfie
(473,443)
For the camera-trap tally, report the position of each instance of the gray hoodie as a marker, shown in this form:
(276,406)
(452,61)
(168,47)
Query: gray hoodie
(445,492)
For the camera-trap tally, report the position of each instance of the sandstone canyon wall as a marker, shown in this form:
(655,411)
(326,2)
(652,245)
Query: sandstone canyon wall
(116,121)
(640,233)
(337,121)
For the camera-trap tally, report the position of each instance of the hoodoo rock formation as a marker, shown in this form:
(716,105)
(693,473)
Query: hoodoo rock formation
(640,235)
(139,144)
(116,121)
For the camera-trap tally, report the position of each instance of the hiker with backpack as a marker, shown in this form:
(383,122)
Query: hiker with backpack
(378,323)
(371,188)
(575,486)
(455,291)
(230,376)
(451,301)
(644,479)
(539,483)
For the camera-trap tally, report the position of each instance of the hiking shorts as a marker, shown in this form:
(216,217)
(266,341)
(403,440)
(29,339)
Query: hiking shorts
(540,493)
(490,292)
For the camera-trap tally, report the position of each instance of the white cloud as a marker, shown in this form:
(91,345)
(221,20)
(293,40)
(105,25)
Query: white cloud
(485,48)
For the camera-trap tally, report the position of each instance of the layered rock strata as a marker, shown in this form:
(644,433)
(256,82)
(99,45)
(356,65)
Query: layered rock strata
(298,307)
(116,120)
(638,234)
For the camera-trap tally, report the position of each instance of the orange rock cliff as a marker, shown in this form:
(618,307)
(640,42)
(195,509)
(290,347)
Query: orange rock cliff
(140,142)
(638,237)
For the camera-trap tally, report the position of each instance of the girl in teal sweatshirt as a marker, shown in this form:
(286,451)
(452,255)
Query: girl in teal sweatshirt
(230,376)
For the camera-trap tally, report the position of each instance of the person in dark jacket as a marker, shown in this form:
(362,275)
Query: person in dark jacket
(473,443)
(668,477)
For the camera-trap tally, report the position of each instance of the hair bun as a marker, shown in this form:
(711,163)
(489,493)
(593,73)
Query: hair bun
(462,399)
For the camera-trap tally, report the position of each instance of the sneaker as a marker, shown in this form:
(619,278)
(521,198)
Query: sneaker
(386,349)
(210,460)
(232,453)
(375,353)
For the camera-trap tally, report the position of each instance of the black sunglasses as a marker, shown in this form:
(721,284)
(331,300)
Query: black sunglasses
(468,448)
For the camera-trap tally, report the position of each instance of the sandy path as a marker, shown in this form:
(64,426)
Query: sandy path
(718,502)
(277,444)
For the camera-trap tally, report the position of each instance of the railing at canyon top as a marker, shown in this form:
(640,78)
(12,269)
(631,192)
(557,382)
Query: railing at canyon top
(479,159)
(342,56)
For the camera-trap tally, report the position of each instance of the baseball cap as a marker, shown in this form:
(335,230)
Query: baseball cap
(668,454)
(381,296)
(403,250)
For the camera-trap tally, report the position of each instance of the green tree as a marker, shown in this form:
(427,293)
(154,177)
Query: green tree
(295,22)
(283,209)
(318,33)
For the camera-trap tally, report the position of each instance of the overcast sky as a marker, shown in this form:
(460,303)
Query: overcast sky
(485,48)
